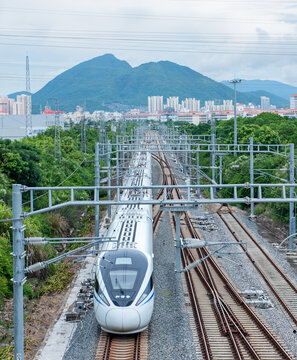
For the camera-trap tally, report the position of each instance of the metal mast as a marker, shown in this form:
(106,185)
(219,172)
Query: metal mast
(235,81)
(28,107)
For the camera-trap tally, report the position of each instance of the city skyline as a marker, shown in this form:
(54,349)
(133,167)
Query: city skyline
(220,39)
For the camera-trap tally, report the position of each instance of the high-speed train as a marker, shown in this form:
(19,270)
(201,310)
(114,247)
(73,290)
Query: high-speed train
(124,292)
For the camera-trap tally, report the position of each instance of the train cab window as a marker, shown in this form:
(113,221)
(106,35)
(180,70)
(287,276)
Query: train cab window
(123,261)
(123,279)
(123,272)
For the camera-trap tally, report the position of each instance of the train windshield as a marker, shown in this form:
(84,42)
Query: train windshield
(123,272)
(123,279)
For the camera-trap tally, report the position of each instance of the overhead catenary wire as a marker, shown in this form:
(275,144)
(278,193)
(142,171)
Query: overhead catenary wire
(215,39)
(173,50)
(147,16)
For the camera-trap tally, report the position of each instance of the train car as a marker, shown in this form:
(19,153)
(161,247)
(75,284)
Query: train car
(124,291)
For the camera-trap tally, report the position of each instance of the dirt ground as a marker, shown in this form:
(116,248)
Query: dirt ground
(39,315)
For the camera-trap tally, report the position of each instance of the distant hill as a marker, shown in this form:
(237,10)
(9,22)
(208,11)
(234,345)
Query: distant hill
(255,96)
(15,94)
(277,88)
(106,82)
(92,82)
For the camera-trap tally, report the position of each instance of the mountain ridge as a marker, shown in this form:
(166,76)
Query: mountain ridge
(106,82)
(277,88)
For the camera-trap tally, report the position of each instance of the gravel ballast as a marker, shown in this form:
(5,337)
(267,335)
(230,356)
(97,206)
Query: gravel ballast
(169,334)
(243,274)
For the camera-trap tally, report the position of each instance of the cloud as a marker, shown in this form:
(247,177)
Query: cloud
(217,39)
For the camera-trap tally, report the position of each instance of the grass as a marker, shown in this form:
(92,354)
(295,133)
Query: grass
(58,282)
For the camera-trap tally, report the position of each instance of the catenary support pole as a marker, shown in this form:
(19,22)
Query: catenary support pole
(97,183)
(213,153)
(18,272)
(292,217)
(184,147)
(117,160)
(234,82)
(109,177)
(252,173)
(198,170)
(221,169)
(177,215)
(190,160)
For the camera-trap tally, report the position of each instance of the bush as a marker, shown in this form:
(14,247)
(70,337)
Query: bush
(59,281)
(6,268)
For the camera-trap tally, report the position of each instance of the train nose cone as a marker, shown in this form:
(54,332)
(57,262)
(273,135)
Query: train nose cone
(122,320)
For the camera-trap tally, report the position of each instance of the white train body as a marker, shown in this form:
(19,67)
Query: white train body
(124,292)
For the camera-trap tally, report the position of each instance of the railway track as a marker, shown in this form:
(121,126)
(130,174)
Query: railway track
(132,347)
(129,347)
(277,281)
(227,327)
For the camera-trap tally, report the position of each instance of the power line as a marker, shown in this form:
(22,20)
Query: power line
(164,50)
(203,40)
(121,32)
(147,16)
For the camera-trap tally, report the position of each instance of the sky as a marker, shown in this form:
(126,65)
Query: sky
(222,39)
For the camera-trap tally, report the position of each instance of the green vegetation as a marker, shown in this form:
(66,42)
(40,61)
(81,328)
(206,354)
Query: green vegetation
(7,353)
(32,162)
(58,282)
(265,128)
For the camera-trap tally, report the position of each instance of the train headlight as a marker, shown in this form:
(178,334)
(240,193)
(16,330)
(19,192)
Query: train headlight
(100,292)
(146,292)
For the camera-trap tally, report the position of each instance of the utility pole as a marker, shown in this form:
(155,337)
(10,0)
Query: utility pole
(291,209)
(213,153)
(252,173)
(97,183)
(83,135)
(28,106)
(57,133)
(234,82)
(18,271)
(109,177)
(57,129)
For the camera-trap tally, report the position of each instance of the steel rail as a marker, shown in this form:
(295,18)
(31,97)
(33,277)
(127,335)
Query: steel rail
(266,279)
(200,327)
(292,285)
(113,347)
(230,315)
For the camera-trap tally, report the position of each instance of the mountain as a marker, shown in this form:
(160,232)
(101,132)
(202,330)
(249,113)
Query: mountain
(277,88)
(15,94)
(255,96)
(93,82)
(168,79)
(106,82)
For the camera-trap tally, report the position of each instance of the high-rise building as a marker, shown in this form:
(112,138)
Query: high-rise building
(4,105)
(191,104)
(20,107)
(265,103)
(227,105)
(209,105)
(24,104)
(293,101)
(172,102)
(155,104)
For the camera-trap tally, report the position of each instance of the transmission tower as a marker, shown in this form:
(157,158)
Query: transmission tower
(28,106)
